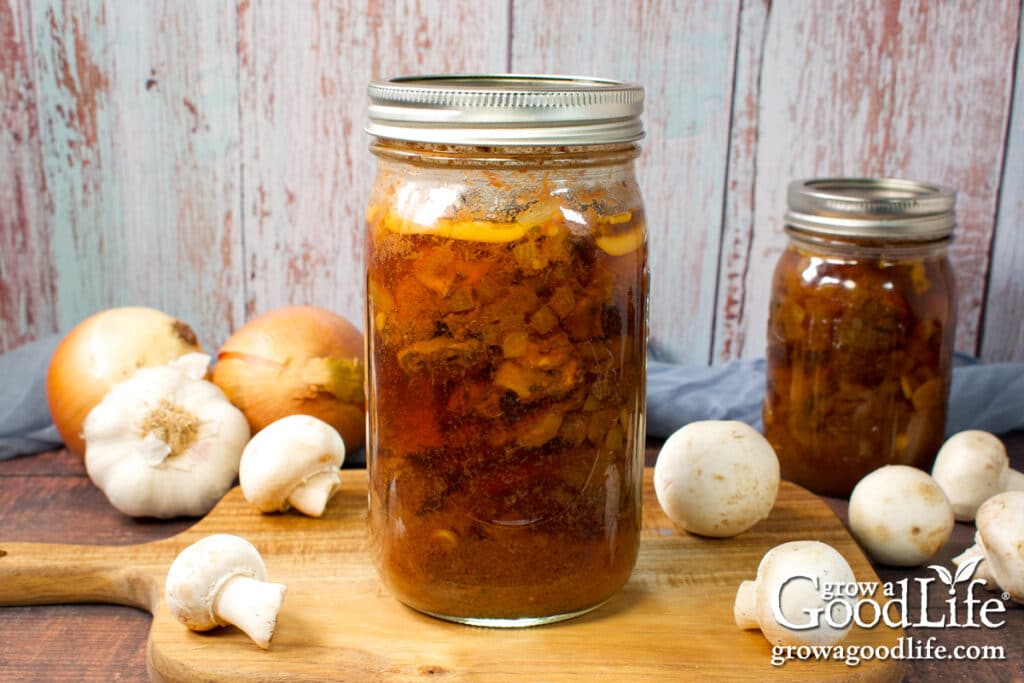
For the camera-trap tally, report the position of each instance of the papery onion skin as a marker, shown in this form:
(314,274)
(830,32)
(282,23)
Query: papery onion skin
(297,360)
(102,350)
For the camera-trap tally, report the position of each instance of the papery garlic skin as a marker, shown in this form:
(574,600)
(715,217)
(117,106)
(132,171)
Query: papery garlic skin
(165,442)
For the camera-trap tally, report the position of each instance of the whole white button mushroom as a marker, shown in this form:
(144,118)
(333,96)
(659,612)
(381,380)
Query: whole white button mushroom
(900,515)
(971,467)
(798,584)
(716,478)
(1000,541)
(221,580)
(292,462)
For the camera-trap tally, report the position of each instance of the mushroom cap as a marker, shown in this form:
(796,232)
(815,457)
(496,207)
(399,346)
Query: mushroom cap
(1000,522)
(716,477)
(197,574)
(283,455)
(798,598)
(900,515)
(970,467)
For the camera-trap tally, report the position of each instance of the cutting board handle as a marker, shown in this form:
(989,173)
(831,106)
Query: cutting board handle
(49,573)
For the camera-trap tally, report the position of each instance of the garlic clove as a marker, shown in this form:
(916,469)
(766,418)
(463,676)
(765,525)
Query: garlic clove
(193,365)
(251,605)
(311,496)
(152,450)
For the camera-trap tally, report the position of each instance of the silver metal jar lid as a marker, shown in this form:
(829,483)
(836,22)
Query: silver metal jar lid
(871,208)
(506,109)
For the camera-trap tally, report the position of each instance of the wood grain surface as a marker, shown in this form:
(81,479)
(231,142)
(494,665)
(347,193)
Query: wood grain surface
(673,619)
(1003,333)
(738,216)
(683,53)
(878,88)
(102,643)
(27,275)
(304,71)
(208,158)
(138,110)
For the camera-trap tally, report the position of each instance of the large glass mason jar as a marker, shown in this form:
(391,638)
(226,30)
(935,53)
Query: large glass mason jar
(861,330)
(506,328)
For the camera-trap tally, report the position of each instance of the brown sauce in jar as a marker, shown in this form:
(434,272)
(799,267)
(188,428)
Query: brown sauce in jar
(859,358)
(506,407)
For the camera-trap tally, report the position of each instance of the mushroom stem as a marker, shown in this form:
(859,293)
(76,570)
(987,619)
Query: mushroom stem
(745,609)
(251,605)
(311,496)
(1013,480)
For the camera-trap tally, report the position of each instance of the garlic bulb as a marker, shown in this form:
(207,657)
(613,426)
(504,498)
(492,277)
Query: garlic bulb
(165,442)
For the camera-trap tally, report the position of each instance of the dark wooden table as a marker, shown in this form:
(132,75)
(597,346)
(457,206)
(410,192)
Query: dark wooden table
(49,498)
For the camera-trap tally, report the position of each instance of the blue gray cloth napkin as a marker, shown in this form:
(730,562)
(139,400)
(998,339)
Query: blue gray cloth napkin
(987,396)
(25,425)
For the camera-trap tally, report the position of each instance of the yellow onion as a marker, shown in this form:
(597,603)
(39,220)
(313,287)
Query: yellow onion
(299,360)
(101,351)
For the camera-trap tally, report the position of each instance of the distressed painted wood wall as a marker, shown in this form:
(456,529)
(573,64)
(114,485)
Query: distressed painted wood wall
(207,158)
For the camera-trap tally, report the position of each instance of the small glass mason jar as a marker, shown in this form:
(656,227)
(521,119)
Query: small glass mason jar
(506,344)
(861,330)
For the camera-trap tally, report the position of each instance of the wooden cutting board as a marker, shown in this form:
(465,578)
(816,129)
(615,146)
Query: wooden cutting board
(673,620)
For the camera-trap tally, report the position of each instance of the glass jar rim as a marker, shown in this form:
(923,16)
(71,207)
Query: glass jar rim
(506,109)
(878,209)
